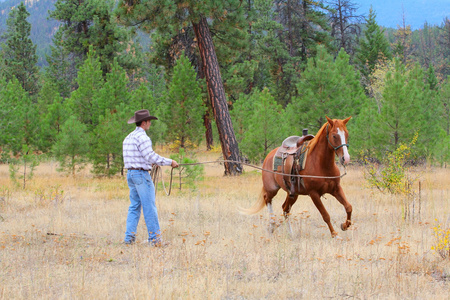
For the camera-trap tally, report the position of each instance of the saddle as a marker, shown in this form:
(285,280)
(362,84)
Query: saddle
(290,158)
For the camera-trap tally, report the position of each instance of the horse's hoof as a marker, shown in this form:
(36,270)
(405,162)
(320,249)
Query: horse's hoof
(346,225)
(338,238)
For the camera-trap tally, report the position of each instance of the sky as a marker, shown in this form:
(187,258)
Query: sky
(417,12)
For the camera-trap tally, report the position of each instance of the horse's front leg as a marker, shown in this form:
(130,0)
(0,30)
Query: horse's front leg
(340,196)
(326,217)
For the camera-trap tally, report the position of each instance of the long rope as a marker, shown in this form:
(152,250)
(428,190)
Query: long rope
(156,172)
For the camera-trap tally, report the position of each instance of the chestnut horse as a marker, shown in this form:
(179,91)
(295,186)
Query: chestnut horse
(320,175)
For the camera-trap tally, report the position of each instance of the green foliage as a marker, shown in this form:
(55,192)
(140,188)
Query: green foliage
(260,124)
(184,107)
(84,101)
(261,46)
(276,67)
(91,23)
(60,71)
(72,146)
(18,119)
(392,176)
(114,91)
(22,168)
(106,154)
(445,104)
(327,88)
(52,115)
(362,128)
(189,173)
(143,98)
(19,56)
(404,111)
(373,48)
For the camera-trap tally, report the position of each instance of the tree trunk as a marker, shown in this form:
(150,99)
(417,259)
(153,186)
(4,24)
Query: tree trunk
(208,132)
(230,149)
(207,115)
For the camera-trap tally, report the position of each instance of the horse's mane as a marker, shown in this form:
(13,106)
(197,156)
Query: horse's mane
(312,144)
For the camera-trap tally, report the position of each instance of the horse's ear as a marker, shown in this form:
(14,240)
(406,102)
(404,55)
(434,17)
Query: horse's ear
(346,120)
(329,121)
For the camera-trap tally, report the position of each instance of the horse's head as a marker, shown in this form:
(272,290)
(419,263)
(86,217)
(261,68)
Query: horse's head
(337,136)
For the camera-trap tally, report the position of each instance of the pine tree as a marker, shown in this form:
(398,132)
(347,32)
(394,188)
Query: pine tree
(444,43)
(61,70)
(83,102)
(112,104)
(373,48)
(115,90)
(18,129)
(52,115)
(442,147)
(262,130)
(277,65)
(327,88)
(19,56)
(143,98)
(403,112)
(305,26)
(71,146)
(13,104)
(184,108)
(106,154)
(445,104)
(402,47)
(362,129)
(86,23)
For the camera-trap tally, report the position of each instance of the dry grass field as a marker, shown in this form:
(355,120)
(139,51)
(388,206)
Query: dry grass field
(61,238)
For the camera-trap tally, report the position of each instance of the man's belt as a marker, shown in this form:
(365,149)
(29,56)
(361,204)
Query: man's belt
(140,169)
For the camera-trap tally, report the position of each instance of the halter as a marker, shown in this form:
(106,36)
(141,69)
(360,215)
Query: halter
(335,148)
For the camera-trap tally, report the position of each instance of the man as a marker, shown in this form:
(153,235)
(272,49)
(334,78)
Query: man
(138,157)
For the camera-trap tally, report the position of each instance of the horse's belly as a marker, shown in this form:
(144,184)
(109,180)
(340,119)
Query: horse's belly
(320,186)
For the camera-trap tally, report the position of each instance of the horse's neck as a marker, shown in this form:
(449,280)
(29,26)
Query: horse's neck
(322,148)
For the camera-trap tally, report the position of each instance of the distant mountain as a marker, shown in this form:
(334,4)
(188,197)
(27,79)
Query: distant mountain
(417,12)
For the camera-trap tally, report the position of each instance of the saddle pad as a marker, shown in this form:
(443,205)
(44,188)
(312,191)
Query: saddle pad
(277,162)
(302,157)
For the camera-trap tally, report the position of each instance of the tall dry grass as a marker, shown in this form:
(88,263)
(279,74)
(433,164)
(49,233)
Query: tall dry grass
(61,239)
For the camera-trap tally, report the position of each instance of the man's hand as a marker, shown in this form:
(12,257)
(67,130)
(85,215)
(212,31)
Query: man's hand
(174,164)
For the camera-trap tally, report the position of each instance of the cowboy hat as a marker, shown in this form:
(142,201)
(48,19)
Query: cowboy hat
(141,115)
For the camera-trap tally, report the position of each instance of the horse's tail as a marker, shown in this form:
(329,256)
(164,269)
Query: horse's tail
(256,207)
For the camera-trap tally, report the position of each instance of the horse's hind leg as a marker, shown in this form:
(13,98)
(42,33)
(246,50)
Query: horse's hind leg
(340,196)
(268,196)
(290,200)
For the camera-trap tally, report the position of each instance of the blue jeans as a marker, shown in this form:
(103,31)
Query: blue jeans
(142,195)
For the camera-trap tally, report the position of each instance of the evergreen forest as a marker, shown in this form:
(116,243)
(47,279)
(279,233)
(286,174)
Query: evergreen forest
(236,75)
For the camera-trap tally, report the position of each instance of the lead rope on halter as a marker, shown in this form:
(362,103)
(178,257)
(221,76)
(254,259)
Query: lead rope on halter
(156,172)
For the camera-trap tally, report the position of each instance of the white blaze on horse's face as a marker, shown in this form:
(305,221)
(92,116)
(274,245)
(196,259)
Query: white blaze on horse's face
(346,156)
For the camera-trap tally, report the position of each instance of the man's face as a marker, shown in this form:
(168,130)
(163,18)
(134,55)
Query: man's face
(146,124)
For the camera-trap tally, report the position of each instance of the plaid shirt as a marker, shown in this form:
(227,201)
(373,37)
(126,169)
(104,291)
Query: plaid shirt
(138,151)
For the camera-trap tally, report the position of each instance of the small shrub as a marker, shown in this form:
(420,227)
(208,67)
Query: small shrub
(392,175)
(45,197)
(188,173)
(442,241)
